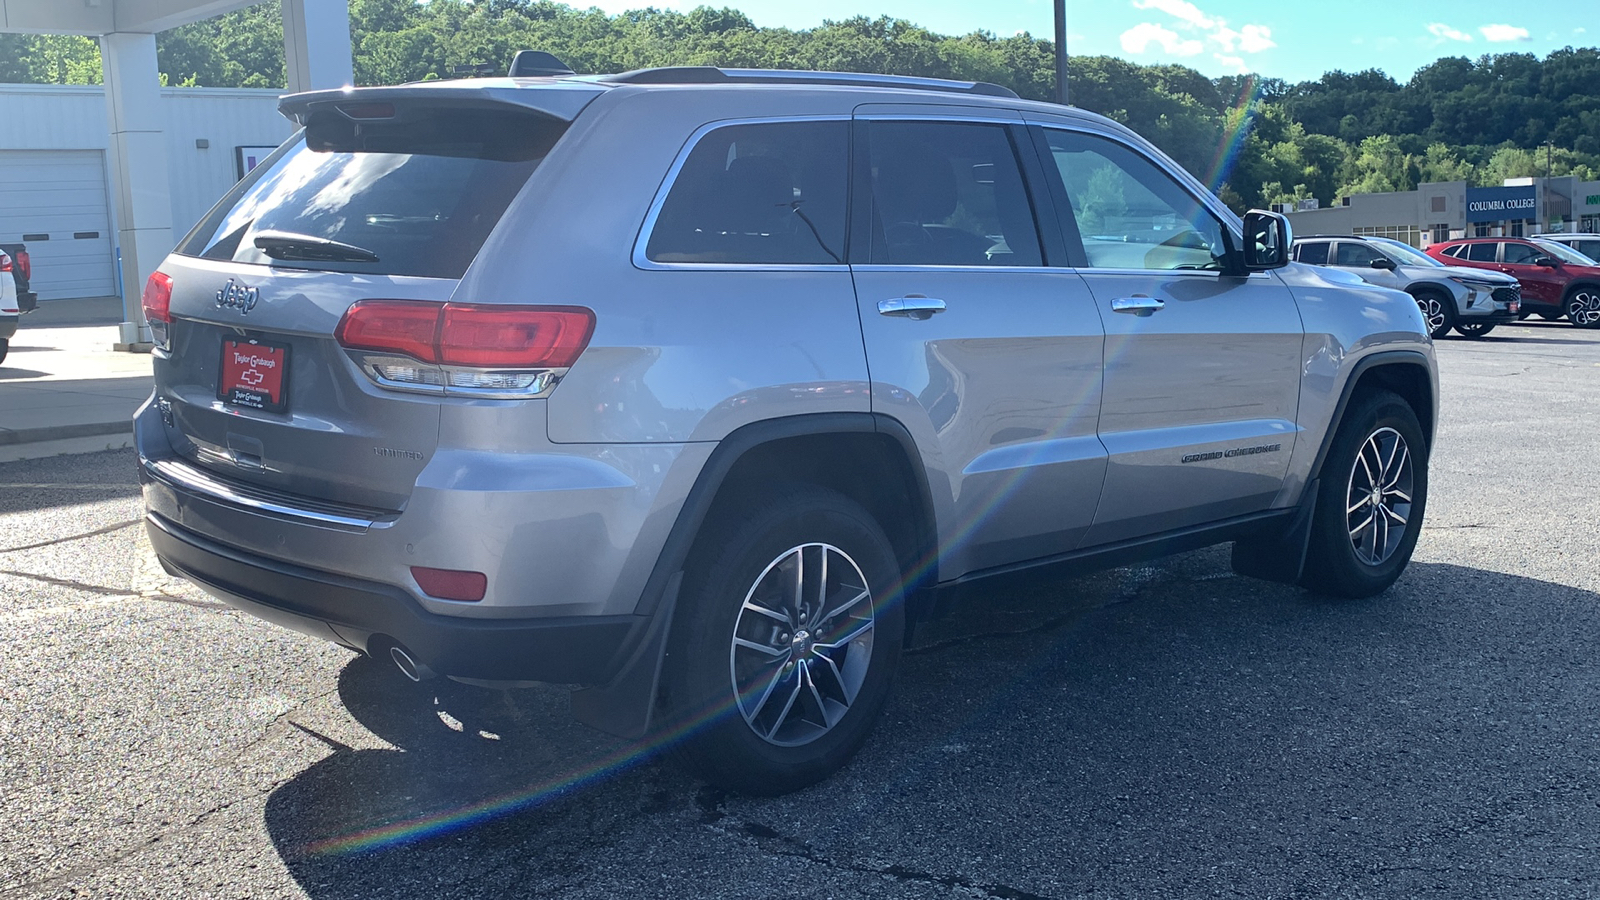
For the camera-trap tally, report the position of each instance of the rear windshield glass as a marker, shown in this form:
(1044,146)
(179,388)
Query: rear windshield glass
(419,192)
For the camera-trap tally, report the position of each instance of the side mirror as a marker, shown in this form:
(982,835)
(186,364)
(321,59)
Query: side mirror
(1383,262)
(1548,262)
(1267,238)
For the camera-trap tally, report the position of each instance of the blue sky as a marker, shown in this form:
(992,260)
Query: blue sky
(1291,39)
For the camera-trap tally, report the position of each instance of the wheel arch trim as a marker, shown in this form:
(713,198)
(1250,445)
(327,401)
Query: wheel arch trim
(1380,359)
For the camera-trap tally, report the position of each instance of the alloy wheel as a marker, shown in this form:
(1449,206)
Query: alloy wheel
(1432,312)
(1583,309)
(1378,499)
(802,644)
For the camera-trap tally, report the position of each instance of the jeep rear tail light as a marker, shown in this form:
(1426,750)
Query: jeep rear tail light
(157,298)
(513,337)
(462,348)
(25,264)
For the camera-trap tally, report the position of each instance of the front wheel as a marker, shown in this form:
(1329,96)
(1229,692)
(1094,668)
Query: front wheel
(1370,502)
(1474,329)
(1438,312)
(788,635)
(1583,307)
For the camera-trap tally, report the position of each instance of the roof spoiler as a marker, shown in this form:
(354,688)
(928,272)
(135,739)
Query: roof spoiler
(562,100)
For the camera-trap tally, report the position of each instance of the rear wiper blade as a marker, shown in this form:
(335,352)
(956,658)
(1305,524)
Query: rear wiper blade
(290,245)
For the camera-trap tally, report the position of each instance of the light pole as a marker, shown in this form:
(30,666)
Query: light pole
(1061,52)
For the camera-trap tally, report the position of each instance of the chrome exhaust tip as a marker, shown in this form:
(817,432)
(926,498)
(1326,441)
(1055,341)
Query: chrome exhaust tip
(409,667)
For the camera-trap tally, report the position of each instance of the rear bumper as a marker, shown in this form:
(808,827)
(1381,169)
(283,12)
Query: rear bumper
(27,301)
(369,616)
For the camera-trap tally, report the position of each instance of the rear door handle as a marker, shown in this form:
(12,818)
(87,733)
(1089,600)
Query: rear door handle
(912,306)
(1137,305)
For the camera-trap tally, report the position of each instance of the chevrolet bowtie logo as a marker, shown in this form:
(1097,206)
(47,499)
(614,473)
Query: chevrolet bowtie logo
(237,296)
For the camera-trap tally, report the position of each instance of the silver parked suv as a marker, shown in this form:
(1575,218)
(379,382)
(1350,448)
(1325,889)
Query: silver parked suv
(1472,301)
(693,388)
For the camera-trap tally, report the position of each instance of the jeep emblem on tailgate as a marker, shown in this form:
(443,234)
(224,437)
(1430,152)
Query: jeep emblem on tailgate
(237,296)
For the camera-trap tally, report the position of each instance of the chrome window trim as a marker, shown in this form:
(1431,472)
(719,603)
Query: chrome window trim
(642,241)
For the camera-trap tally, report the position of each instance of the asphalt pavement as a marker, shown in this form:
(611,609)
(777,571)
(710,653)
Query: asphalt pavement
(1164,730)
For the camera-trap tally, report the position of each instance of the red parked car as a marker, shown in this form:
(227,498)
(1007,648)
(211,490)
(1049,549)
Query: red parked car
(1556,279)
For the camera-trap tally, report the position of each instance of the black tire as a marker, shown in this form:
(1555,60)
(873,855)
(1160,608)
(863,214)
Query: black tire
(737,739)
(1438,312)
(1582,306)
(1334,564)
(1474,329)
(5,347)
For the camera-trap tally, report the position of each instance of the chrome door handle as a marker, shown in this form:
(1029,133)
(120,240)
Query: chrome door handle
(913,306)
(1137,305)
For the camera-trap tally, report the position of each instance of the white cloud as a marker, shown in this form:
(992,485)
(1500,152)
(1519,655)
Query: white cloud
(1233,62)
(1139,38)
(1445,33)
(1580,31)
(1499,34)
(1227,42)
(1182,10)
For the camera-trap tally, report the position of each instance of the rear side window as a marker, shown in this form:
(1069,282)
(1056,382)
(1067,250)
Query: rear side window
(765,193)
(1587,248)
(1481,252)
(420,192)
(1316,254)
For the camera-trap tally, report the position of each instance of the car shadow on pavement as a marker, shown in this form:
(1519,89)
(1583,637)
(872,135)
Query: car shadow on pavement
(1134,729)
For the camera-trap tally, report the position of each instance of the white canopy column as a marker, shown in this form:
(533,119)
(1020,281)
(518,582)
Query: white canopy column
(138,160)
(316,44)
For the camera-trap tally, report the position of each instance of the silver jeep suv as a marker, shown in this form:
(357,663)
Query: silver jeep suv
(694,388)
(1472,301)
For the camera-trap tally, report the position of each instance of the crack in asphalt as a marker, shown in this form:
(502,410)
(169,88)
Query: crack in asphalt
(117,526)
(712,802)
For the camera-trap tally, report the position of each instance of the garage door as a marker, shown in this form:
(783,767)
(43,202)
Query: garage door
(55,202)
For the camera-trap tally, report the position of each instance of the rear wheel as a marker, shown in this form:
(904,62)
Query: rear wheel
(1583,306)
(1372,495)
(1474,329)
(1438,311)
(5,347)
(784,650)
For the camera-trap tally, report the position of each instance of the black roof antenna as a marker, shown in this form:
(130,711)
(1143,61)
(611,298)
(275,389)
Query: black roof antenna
(536,63)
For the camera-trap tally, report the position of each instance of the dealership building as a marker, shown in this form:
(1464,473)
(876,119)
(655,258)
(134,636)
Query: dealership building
(1446,210)
(56,176)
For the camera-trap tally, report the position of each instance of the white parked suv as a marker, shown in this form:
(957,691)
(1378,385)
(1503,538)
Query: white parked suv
(9,310)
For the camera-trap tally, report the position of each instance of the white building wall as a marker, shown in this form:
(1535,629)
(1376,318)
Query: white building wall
(73,117)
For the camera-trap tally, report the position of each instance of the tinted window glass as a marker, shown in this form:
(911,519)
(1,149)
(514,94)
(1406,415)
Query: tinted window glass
(1587,248)
(1521,254)
(767,193)
(948,194)
(1130,213)
(1457,251)
(420,192)
(1314,253)
(1357,255)
(1481,252)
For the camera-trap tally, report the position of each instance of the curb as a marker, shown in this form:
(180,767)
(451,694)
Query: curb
(9,437)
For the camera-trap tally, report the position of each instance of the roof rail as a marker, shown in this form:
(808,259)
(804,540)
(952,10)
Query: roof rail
(714,75)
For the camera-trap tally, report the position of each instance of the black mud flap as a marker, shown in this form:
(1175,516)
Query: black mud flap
(625,706)
(1280,555)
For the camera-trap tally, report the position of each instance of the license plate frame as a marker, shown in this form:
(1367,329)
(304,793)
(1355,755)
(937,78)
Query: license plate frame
(254,374)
